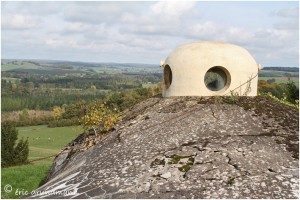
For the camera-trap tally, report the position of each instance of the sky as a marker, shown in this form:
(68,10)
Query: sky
(147,31)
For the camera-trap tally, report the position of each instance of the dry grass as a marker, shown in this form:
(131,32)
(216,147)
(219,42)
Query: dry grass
(33,114)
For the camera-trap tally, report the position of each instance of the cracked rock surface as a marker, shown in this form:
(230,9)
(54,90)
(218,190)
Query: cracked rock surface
(187,147)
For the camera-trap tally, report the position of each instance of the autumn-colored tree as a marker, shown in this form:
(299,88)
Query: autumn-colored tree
(58,112)
(100,117)
(93,88)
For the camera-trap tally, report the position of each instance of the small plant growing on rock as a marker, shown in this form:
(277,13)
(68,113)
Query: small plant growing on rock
(233,98)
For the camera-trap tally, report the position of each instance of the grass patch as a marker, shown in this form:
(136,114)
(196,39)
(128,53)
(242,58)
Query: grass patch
(281,79)
(18,65)
(43,142)
(24,178)
(146,85)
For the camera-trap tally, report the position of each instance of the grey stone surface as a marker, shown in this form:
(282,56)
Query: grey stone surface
(187,147)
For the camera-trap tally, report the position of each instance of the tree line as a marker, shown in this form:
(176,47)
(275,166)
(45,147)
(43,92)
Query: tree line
(33,91)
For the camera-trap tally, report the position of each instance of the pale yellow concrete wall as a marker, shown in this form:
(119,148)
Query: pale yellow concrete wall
(189,64)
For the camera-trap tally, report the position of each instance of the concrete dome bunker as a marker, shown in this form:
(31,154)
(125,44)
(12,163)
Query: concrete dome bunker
(209,69)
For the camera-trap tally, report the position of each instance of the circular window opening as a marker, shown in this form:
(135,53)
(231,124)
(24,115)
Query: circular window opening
(167,76)
(216,78)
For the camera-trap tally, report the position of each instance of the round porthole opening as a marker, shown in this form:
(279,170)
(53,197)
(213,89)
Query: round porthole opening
(217,78)
(167,76)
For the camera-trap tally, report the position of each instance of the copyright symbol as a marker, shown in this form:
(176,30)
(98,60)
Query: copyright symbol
(7,188)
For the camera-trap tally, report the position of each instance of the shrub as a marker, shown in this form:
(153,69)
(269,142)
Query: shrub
(21,152)
(100,117)
(12,155)
(63,122)
(292,92)
(283,100)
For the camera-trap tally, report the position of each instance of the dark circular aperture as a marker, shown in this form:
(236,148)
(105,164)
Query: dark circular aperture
(167,76)
(215,79)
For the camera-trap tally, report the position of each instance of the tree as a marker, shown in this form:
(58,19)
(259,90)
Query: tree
(100,117)
(21,152)
(271,80)
(58,112)
(291,91)
(93,88)
(24,116)
(14,87)
(9,135)
(12,155)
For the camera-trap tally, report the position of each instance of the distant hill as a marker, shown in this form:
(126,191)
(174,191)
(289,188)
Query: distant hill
(284,69)
(78,63)
(63,67)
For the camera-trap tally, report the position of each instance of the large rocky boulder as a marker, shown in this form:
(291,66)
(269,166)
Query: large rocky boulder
(186,147)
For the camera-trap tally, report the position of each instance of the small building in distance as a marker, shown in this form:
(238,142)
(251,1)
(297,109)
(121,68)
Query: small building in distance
(209,69)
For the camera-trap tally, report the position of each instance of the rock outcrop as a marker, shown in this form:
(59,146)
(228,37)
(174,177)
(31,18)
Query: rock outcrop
(187,147)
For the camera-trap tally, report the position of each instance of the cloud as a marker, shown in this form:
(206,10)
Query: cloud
(18,21)
(97,12)
(171,9)
(292,12)
(77,27)
(212,31)
(162,18)
(147,31)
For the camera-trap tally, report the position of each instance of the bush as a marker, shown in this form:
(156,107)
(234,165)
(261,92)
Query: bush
(100,117)
(12,155)
(292,92)
(64,122)
(21,152)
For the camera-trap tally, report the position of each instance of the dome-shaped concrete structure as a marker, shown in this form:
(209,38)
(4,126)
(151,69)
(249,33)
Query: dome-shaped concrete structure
(209,69)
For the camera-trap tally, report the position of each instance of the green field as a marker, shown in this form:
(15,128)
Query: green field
(39,67)
(146,85)
(43,142)
(273,73)
(281,79)
(18,65)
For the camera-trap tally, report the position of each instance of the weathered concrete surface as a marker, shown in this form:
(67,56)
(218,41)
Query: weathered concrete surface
(188,148)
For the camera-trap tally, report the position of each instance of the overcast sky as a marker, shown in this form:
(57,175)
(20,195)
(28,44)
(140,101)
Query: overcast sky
(146,32)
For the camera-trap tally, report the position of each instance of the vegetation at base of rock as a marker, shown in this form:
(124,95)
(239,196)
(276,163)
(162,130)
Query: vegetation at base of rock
(12,153)
(283,100)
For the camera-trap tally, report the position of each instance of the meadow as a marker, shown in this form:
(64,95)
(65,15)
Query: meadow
(281,79)
(43,142)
